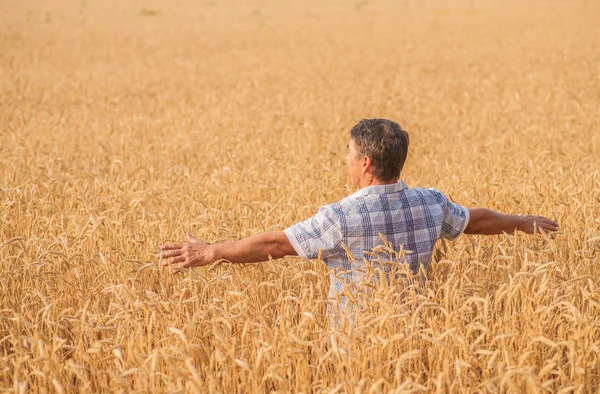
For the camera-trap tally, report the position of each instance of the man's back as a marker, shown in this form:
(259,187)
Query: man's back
(408,219)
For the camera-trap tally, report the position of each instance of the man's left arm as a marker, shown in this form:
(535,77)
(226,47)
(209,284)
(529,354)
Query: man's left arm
(487,222)
(459,219)
(255,249)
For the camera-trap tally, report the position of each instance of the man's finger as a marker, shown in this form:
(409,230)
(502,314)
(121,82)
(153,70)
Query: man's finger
(173,260)
(191,238)
(177,270)
(172,253)
(551,224)
(171,246)
(547,227)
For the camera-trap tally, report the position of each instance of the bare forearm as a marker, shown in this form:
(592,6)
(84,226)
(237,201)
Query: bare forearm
(487,222)
(196,253)
(253,249)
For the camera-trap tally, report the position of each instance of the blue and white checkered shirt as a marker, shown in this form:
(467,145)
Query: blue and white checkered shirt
(412,219)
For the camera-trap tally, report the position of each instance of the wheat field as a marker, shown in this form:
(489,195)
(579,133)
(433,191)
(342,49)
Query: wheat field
(125,124)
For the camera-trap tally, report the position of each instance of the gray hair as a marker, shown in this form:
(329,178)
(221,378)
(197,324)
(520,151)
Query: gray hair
(385,143)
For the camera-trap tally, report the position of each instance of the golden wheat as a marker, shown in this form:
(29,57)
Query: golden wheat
(123,125)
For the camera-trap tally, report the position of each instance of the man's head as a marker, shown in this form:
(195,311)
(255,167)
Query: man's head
(378,148)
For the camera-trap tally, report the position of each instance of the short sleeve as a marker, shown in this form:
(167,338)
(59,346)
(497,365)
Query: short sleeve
(320,233)
(455,217)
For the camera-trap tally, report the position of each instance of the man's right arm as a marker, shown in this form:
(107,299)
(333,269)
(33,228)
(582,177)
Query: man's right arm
(255,249)
(487,222)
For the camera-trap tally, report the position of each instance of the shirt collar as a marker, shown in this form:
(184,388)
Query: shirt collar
(381,189)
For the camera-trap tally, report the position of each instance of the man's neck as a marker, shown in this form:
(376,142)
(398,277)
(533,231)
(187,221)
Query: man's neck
(371,181)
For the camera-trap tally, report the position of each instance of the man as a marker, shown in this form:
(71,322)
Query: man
(382,208)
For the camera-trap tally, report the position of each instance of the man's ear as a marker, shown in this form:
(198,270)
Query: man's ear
(366,164)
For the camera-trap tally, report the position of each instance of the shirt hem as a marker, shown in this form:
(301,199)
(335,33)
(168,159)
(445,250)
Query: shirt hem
(467,217)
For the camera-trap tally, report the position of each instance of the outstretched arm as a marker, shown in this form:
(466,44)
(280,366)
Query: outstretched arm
(255,249)
(487,222)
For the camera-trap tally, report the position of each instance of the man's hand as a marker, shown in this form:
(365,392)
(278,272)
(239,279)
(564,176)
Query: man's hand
(532,224)
(193,253)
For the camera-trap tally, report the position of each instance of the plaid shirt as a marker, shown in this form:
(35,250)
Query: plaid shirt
(412,219)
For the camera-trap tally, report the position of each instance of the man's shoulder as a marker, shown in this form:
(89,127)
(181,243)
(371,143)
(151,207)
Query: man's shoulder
(331,210)
(349,203)
(334,209)
(428,194)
